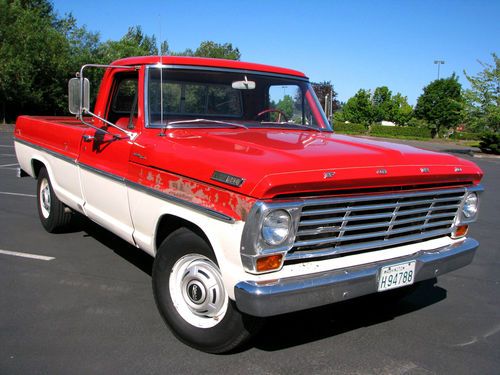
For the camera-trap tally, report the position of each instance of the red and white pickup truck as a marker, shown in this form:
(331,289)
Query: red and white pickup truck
(251,207)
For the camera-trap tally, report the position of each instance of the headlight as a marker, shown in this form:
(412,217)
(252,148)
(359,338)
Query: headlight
(276,227)
(469,209)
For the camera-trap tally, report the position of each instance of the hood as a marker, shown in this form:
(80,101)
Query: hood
(284,162)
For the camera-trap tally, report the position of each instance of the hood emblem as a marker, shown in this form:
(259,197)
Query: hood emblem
(382,171)
(227,179)
(328,175)
(458,169)
(424,170)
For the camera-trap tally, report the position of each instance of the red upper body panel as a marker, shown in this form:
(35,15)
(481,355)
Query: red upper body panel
(207,62)
(272,162)
(277,162)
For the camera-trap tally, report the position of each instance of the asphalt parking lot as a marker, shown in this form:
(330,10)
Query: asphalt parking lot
(86,307)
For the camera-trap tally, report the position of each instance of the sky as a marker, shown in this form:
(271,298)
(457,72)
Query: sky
(354,44)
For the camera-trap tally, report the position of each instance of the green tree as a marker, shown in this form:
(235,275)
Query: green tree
(133,43)
(441,104)
(33,59)
(483,98)
(212,49)
(286,105)
(358,109)
(40,51)
(390,107)
(383,105)
(402,112)
(322,89)
(217,50)
(365,108)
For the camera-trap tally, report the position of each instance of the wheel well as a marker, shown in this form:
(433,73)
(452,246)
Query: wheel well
(170,223)
(37,165)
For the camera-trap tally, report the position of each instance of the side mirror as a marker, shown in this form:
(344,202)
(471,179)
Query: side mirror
(77,103)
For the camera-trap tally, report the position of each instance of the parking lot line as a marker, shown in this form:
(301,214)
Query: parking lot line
(8,165)
(26,255)
(18,194)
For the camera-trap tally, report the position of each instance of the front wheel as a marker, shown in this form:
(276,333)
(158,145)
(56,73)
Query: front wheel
(191,296)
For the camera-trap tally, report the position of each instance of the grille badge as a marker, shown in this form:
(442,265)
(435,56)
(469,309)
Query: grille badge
(424,170)
(382,171)
(327,175)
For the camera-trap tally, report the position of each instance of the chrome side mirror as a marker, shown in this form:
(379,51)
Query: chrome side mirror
(78,95)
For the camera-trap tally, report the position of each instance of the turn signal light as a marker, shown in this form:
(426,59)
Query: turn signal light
(269,263)
(460,231)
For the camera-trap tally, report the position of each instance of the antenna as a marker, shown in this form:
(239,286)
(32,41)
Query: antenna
(161,75)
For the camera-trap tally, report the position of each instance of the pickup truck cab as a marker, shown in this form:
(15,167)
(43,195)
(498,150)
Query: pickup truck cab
(229,174)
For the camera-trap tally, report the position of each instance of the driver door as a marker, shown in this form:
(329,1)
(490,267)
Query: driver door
(104,161)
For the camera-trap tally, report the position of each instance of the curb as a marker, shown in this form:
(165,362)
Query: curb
(485,156)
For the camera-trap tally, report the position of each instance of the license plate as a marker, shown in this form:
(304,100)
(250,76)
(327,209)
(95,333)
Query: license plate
(396,276)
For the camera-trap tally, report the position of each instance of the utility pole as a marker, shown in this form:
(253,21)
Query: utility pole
(331,104)
(438,62)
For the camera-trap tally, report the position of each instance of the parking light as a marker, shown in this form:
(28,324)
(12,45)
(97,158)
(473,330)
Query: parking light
(269,263)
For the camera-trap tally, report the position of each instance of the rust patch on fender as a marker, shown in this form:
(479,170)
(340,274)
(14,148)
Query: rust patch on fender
(224,201)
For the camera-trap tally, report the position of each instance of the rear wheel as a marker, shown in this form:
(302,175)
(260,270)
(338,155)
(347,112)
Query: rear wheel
(54,215)
(191,297)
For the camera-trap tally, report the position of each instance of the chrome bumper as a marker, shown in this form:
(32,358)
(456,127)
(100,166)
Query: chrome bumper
(303,292)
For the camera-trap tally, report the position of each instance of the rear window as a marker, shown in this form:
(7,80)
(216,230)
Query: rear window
(200,99)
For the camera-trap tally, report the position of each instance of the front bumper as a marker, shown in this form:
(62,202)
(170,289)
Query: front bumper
(307,291)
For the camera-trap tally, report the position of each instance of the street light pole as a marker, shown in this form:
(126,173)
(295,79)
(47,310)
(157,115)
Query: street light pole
(438,62)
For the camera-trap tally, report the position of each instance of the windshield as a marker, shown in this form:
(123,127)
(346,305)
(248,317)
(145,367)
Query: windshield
(204,98)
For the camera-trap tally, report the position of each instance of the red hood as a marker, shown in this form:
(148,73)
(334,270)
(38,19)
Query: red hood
(275,162)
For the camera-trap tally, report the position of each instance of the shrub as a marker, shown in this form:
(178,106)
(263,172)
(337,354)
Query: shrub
(466,136)
(490,143)
(400,131)
(417,122)
(349,128)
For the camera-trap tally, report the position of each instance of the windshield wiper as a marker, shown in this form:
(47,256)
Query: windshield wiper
(203,120)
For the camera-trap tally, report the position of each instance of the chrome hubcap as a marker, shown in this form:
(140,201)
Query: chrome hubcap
(197,291)
(45,198)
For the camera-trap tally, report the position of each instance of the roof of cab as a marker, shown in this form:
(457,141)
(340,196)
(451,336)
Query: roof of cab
(206,62)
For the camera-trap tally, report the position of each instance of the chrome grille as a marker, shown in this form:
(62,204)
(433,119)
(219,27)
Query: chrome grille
(349,224)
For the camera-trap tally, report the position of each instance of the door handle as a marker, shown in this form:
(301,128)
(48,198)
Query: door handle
(88,138)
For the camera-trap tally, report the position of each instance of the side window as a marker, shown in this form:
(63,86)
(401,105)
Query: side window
(124,102)
(125,96)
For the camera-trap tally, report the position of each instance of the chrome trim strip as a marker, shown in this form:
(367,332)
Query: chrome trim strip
(131,184)
(307,291)
(357,198)
(363,236)
(363,246)
(385,205)
(381,224)
(101,172)
(172,199)
(50,152)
